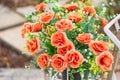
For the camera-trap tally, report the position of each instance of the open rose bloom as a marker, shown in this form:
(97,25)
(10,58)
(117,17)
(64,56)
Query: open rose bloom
(65,38)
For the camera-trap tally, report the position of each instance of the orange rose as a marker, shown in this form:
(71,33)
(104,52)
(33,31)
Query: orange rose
(43,60)
(59,63)
(89,10)
(98,47)
(103,22)
(40,7)
(27,27)
(71,7)
(84,38)
(33,45)
(37,26)
(74,17)
(105,60)
(67,47)
(59,39)
(46,17)
(74,58)
(64,24)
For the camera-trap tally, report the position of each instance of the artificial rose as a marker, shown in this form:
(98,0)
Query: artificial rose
(63,50)
(74,58)
(105,60)
(71,6)
(59,63)
(98,47)
(64,24)
(33,46)
(37,26)
(40,7)
(43,60)
(27,27)
(84,38)
(46,17)
(89,10)
(74,17)
(59,39)
(103,22)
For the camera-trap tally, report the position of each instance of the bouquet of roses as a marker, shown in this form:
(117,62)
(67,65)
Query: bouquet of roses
(68,37)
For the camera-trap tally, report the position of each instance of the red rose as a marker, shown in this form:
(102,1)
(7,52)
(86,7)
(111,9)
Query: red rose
(67,47)
(59,39)
(33,45)
(40,7)
(59,63)
(105,60)
(71,7)
(46,17)
(74,17)
(64,24)
(89,10)
(27,27)
(37,26)
(98,47)
(74,58)
(103,22)
(43,60)
(84,38)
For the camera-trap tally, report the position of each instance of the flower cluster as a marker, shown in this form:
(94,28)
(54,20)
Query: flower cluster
(69,37)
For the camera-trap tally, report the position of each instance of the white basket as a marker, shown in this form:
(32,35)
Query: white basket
(112,36)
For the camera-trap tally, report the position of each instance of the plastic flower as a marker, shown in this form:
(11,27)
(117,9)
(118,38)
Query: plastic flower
(46,17)
(59,39)
(84,38)
(67,47)
(74,58)
(37,26)
(43,60)
(105,60)
(98,47)
(64,24)
(89,10)
(103,22)
(59,63)
(27,27)
(74,17)
(33,46)
(71,6)
(40,6)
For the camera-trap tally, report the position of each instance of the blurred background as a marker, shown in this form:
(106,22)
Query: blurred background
(13,57)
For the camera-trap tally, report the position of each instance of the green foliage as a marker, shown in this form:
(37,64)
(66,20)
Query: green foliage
(50,49)
(50,1)
(87,25)
(106,11)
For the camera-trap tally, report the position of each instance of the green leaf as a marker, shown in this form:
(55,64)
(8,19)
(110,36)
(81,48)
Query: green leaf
(50,49)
